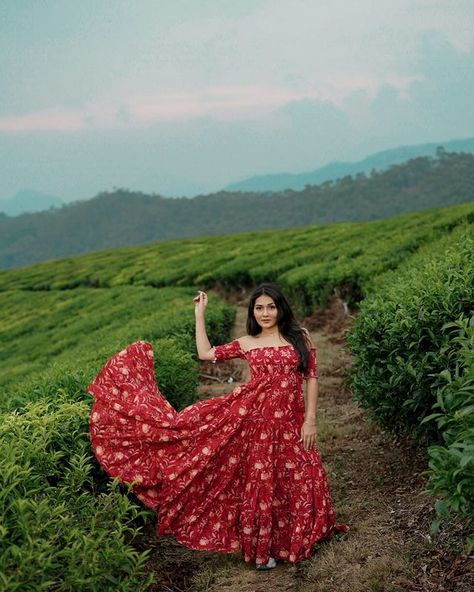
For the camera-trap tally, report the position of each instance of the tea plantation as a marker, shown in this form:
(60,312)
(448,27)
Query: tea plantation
(413,342)
(63,526)
(308,263)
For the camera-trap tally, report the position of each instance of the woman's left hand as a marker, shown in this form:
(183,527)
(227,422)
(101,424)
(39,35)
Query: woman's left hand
(309,434)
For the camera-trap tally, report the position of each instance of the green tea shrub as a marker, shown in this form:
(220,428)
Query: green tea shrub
(311,262)
(53,385)
(176,372)
(401,339)
(68,335)
(220,319)
(451,461)
(60,528)
(65,526)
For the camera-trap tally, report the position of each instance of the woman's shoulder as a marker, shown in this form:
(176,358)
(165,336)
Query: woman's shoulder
(244,341)
(248,342)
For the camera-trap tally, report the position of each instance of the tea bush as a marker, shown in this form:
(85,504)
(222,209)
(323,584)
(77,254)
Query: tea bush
(309,263)
(176,372)
(401,340)
(65,526)
(62,527)
(451,464)
(59,333)
(413,343)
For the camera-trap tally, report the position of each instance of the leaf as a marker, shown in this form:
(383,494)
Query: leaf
(434,527)
(441,507)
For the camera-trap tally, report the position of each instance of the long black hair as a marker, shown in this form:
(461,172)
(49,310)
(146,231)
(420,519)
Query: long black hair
(288,326)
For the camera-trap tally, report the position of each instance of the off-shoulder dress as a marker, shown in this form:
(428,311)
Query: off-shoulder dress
(224,473)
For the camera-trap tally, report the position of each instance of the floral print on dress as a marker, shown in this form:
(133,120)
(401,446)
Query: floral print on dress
(225,473)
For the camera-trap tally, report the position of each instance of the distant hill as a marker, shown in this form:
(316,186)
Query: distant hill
(128,218)
(336,170)
(29,200)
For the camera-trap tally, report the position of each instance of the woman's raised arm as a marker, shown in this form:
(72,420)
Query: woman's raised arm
(203,346)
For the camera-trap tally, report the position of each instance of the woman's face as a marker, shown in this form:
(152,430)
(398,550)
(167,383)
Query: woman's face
(265,312)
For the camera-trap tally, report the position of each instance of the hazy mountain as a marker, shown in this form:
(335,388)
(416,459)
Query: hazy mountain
(29,200)
(130,218)
(338,170)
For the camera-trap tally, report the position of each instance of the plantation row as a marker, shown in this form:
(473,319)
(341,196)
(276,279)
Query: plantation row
(308,263)
(79,329)
(413,343)
(63,526)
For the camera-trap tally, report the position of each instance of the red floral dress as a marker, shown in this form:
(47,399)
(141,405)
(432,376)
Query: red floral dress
(225,473)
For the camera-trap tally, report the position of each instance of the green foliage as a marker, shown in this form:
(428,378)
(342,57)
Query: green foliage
(61,320)
(414,350)
(401,340)
(310,263)
(72,332)
(62,528)
(451,465)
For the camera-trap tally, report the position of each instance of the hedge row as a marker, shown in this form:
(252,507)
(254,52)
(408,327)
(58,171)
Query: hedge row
(452,459)
(400,340)
(64,526)
(413,347)
(310,263)
(72,331)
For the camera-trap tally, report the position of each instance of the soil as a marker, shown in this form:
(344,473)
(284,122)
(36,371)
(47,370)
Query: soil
(378,487)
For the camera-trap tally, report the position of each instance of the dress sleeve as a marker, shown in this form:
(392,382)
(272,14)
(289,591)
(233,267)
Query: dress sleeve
(312,370)
(228,351)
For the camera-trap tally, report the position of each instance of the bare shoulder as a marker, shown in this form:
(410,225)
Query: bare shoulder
(244,340)
(308,338)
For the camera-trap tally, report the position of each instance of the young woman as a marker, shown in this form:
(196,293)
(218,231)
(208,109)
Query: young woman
(240,471)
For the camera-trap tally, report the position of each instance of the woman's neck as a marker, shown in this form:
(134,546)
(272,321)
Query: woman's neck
(268,333)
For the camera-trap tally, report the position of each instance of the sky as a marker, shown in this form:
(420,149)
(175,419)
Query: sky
(180,97)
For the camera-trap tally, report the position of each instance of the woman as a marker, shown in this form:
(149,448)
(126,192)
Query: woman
(236,471)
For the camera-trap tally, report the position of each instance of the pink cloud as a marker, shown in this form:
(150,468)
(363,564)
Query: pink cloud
(225,103)
(139,111)
(55,119)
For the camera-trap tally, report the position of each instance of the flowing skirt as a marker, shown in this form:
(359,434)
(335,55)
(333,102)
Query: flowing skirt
(220,477)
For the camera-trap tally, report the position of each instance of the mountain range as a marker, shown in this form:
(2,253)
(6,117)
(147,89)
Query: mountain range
(336,170)
(29,200)
(124,217)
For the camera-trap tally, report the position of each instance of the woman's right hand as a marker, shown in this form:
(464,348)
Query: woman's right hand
(204,348)
(200,303)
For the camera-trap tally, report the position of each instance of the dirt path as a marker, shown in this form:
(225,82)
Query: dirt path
(376,485)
